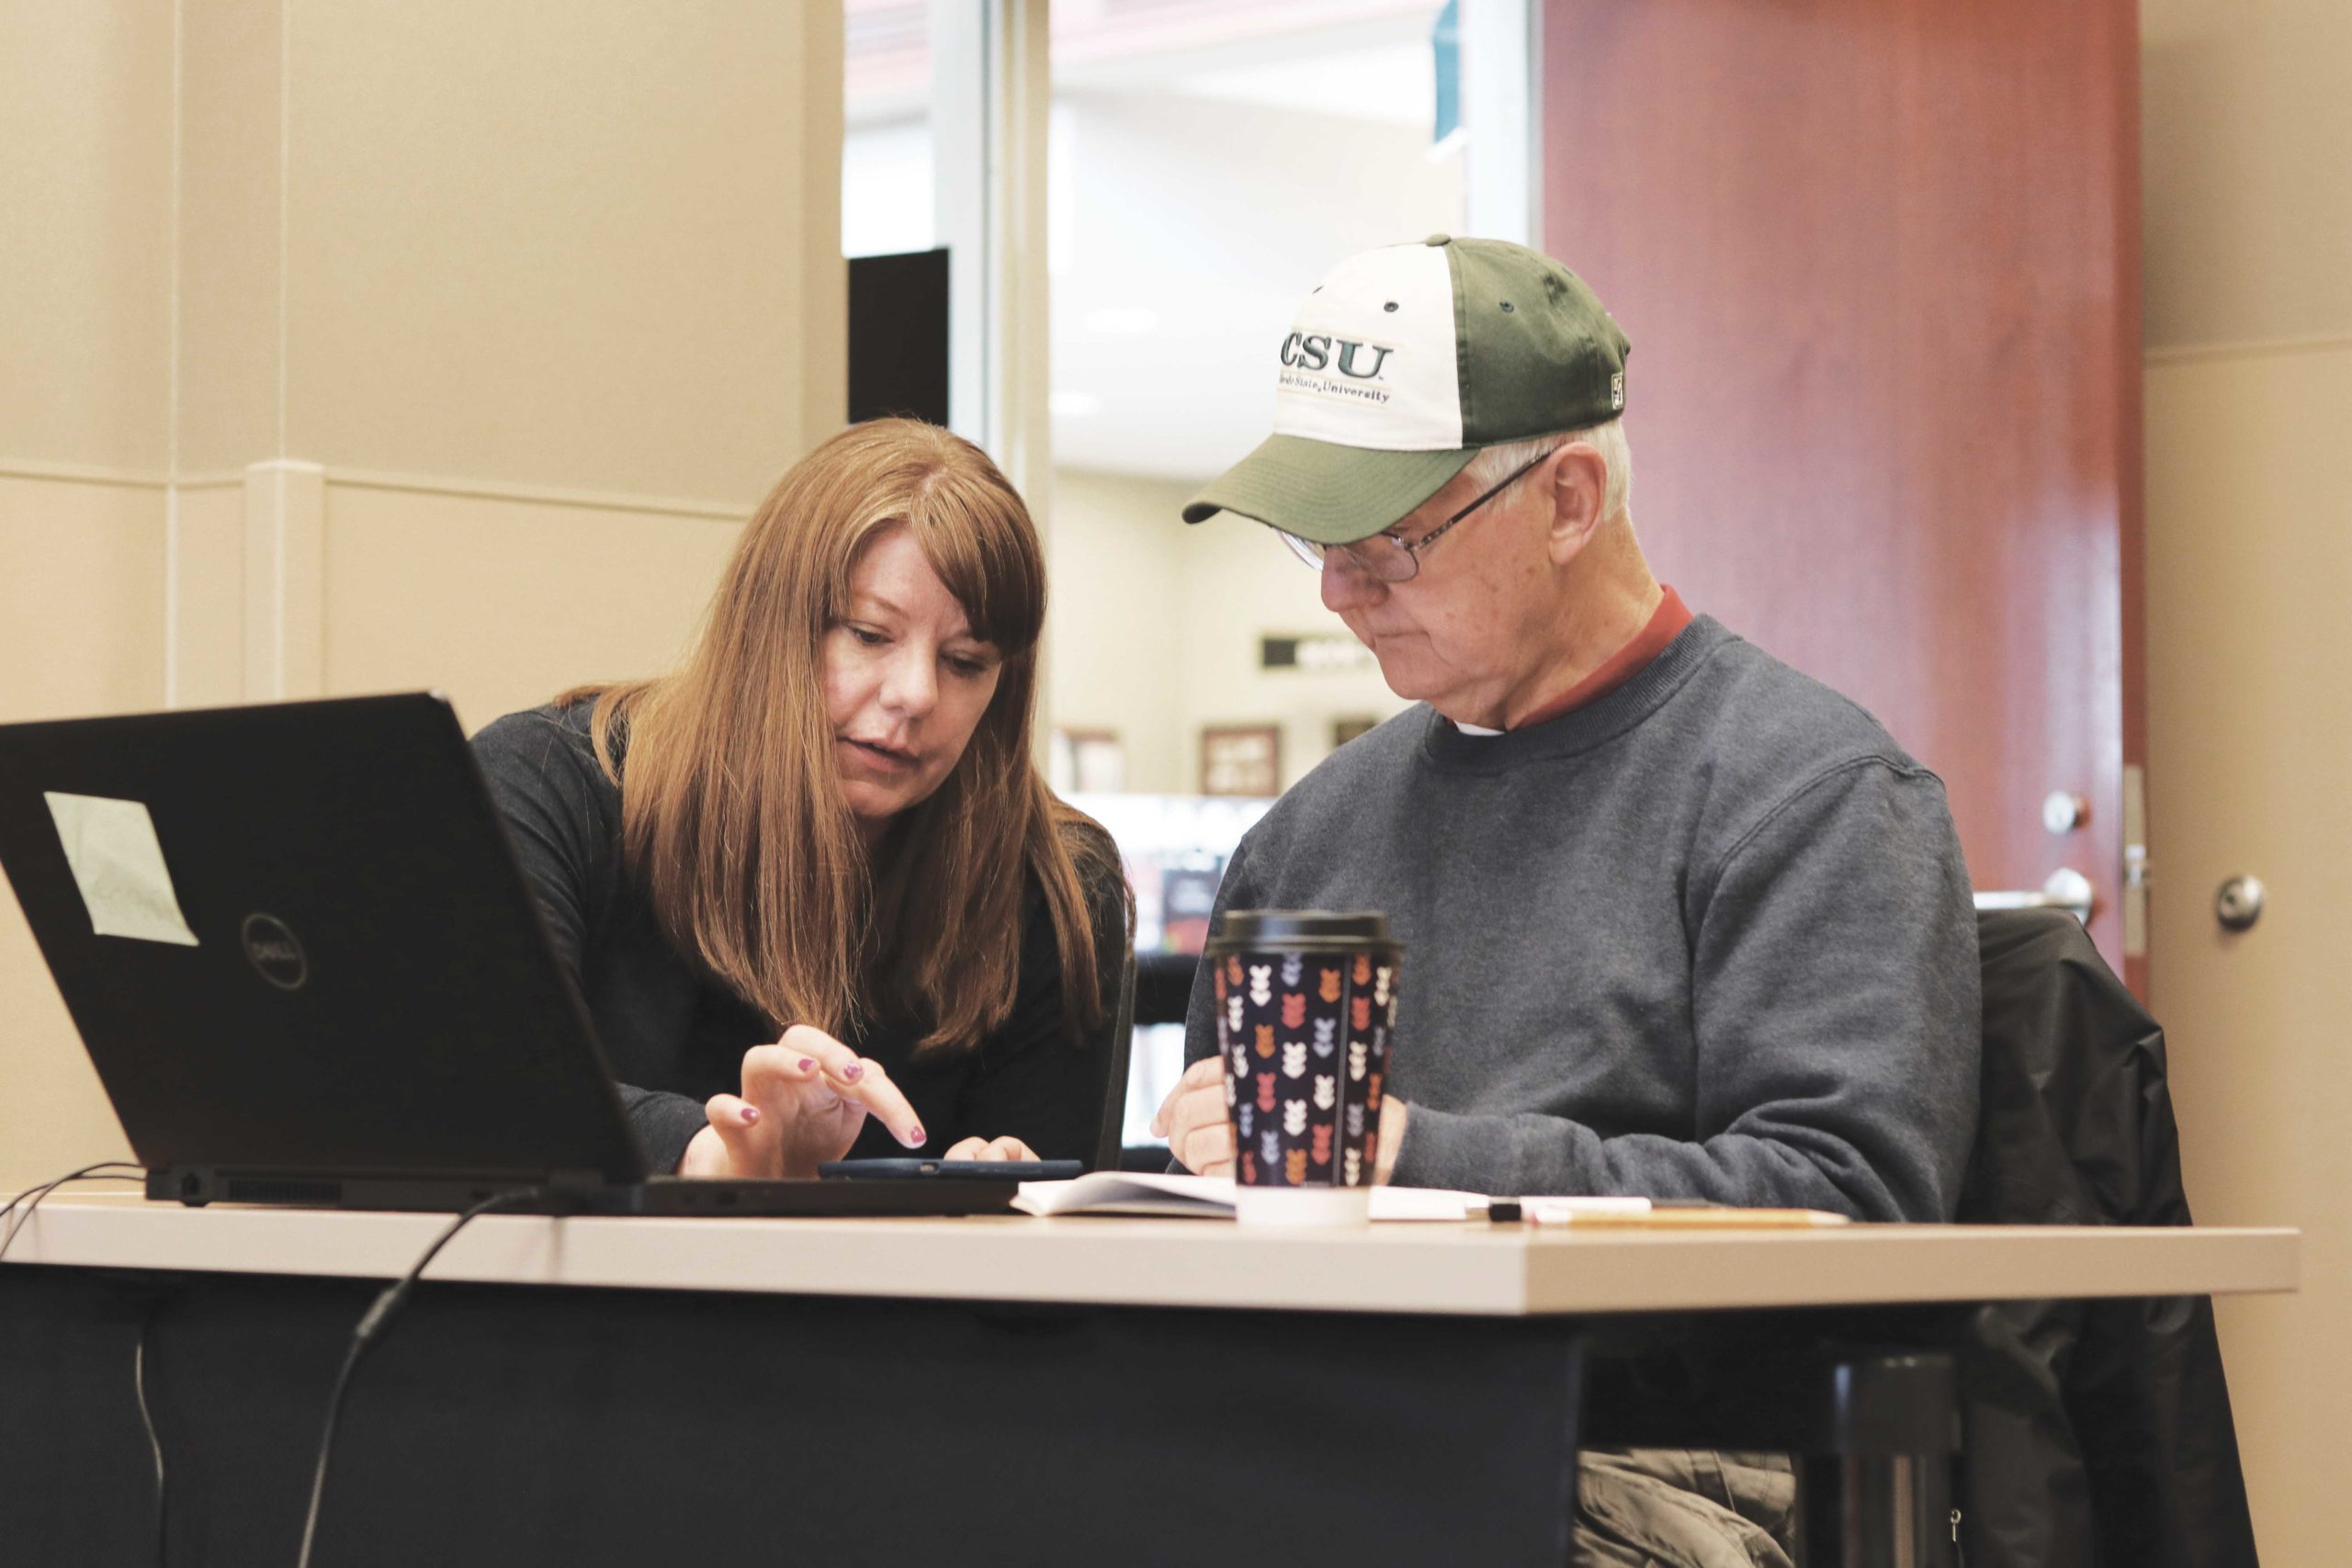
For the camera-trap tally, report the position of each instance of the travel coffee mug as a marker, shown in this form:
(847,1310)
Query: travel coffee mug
(1305,1008)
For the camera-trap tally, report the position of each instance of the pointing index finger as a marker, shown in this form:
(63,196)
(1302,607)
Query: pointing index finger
(863,1081)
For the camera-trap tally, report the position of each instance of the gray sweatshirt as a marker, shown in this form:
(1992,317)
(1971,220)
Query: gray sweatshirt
(1708,936)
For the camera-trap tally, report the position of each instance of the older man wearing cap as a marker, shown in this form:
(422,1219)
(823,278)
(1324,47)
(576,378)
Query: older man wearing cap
(1678,920)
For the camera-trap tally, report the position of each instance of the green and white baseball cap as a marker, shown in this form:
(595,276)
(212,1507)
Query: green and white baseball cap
(1402,365)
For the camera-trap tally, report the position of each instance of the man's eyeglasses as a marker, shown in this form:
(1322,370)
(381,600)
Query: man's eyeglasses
(1388,558)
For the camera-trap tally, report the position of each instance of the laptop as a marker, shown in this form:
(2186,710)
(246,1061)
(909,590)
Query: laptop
(308,971)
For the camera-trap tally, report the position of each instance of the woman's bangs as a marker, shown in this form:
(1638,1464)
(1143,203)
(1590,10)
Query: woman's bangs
(986,558)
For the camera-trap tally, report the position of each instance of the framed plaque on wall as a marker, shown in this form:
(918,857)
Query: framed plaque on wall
(1088,762)
(1241,758)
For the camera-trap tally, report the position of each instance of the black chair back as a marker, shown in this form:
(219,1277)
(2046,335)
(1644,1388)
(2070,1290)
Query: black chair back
(1121,1047)
(2096,1432)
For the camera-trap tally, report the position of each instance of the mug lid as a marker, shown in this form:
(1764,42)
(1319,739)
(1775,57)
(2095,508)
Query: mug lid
(1259,927)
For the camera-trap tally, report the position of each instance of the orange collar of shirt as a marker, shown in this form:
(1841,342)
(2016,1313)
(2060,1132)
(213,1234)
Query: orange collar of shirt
(1665,623)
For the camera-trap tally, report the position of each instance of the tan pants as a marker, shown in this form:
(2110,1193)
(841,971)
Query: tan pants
(1683,1508)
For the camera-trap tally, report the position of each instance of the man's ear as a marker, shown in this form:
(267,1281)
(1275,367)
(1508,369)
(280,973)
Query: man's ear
(1579,481)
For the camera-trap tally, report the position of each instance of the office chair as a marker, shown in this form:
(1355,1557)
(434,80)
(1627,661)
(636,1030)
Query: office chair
(1109,1141)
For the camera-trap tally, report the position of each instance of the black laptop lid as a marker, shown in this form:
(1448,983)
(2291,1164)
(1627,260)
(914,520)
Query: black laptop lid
(341,971)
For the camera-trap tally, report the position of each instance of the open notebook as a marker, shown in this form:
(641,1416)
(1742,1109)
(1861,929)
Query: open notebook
(1210,1198)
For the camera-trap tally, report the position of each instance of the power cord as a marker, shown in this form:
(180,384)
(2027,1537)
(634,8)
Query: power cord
(154,1443)
(371,1331)
(105,1170)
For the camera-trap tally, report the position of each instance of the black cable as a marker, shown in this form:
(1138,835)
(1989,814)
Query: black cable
(105,1170)
(128,1169)
(370,1331)
(147,1421)
(326,1447)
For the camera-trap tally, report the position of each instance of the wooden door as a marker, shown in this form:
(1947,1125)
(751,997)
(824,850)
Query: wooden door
(1879,260)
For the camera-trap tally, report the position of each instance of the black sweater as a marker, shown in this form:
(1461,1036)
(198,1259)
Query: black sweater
(675,1034)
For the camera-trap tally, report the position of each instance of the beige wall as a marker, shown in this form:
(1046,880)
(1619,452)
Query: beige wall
(558,242)
(1117,632)
(551,595)
(81,623)
(85,164)
(81,631)
(382,346)
(86,161)
(1156,631)
(2248,209)
(2248,134)
(230,235)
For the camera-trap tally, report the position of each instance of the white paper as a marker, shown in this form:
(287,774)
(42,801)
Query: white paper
(1130,1192)
(119,865)
(1211,1196)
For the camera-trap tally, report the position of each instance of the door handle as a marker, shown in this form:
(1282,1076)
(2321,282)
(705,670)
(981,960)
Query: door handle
(2068,890)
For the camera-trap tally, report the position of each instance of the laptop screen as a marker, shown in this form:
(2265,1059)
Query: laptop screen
(294,940)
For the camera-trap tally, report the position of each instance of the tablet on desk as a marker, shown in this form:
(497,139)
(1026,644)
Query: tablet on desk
(953,1170)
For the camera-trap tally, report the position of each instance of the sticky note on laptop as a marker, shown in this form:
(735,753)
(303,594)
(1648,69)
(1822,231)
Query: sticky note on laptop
(119,865)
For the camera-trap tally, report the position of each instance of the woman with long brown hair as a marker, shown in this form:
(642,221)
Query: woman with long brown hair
(816,897)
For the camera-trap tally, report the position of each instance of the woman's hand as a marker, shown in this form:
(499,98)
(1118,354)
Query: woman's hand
(804,1100)
(990,1148)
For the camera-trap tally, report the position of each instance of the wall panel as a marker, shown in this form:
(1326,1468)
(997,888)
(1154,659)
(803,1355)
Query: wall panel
(555,243)
(502,602)
(85,138)
(81,600)
(231,233)
(81,632)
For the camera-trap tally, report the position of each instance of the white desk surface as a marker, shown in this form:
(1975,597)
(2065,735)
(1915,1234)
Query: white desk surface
(1471,1269)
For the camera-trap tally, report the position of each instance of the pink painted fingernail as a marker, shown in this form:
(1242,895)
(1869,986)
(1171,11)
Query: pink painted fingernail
(750,1114)
(854,1071)
(808,1063)
(915,1139)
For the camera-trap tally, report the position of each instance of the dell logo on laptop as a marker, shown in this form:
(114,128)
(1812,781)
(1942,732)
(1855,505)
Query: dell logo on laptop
(274,952)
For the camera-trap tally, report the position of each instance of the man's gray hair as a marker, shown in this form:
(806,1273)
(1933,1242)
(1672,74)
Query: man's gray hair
(1491,467)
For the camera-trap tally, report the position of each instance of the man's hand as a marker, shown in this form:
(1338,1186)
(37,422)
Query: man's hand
(1199,1128)
(804,1100)
(1194,1120)
(1393,1112)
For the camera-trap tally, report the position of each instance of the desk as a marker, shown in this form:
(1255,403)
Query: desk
(1042,1391)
